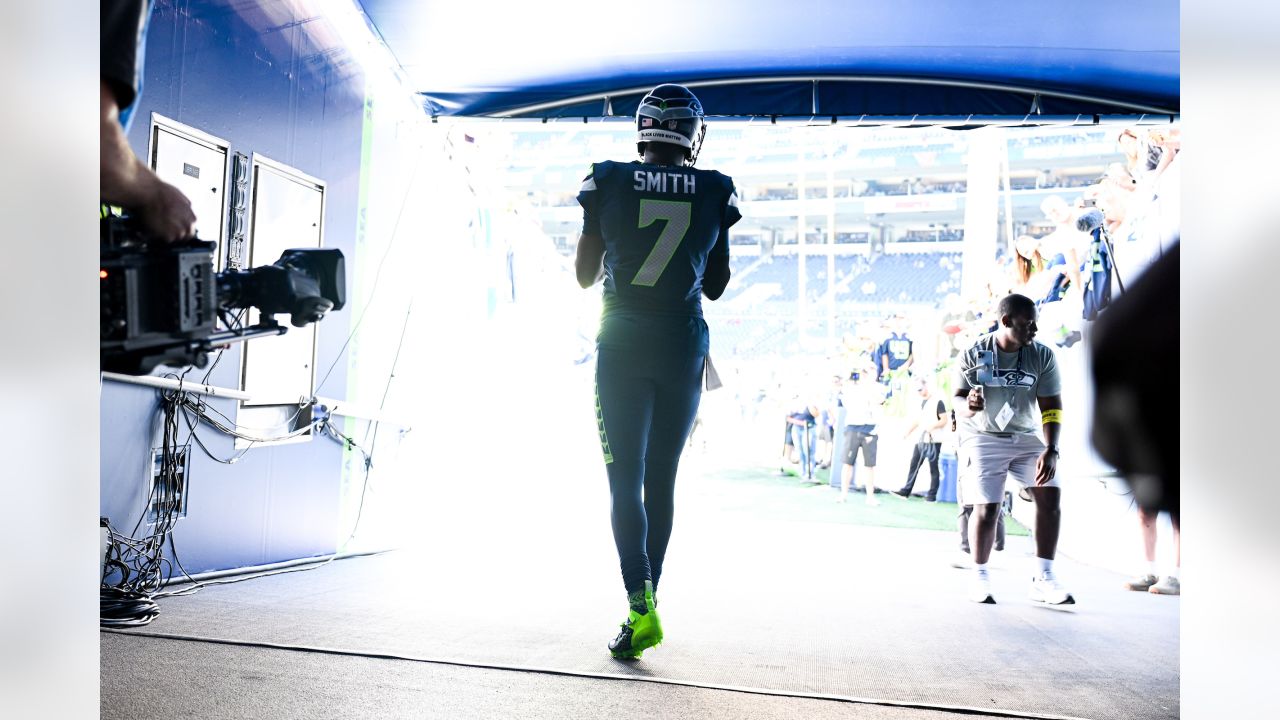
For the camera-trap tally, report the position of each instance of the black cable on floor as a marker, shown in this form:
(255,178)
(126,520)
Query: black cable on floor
(123,608)
(984,712)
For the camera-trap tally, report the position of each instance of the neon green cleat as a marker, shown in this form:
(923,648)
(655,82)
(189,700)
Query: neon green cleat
(642,629)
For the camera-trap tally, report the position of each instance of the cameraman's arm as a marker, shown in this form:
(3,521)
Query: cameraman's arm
(127,182)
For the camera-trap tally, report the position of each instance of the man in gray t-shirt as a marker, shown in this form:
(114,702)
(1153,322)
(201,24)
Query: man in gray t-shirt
(1016,378)
(1007,386)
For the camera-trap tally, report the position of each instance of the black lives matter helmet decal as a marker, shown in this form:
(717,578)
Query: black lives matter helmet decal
(671,114)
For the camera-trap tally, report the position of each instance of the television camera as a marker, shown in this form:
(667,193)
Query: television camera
(161,301)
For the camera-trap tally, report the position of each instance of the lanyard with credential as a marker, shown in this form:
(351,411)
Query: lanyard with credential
(1011,380)
(1017,371)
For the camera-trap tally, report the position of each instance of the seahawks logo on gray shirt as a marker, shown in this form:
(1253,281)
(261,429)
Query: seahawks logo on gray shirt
(1015,378)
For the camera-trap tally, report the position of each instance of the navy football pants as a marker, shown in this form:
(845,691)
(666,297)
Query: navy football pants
(646,400)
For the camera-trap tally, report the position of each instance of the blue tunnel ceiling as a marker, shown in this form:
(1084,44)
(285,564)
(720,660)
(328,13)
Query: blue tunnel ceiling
(801,58)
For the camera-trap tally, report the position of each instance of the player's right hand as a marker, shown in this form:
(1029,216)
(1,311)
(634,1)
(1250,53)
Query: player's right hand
(167,214)
(976,401)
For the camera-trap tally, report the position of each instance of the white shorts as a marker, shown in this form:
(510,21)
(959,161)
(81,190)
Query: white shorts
(986,460)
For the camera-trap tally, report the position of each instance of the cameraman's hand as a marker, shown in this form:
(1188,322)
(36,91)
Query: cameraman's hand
(166,213)
(126,181)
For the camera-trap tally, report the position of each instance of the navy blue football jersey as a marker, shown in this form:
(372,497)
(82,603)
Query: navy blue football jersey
(660,225)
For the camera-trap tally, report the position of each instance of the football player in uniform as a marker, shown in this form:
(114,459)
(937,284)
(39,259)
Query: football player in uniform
(656,231)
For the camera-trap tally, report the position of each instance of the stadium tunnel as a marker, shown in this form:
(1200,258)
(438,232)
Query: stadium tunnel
(438,414)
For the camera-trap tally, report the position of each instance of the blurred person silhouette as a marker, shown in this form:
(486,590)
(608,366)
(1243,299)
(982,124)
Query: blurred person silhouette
(1152,580)
(1135,418)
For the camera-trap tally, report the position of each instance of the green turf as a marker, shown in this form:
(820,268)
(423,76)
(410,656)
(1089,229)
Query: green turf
(762,491)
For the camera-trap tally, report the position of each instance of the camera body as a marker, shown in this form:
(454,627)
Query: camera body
(160,302)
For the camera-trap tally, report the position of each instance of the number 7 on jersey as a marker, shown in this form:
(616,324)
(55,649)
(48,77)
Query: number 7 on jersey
(677,215)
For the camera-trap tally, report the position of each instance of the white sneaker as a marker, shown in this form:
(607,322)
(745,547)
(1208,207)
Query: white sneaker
(980,591)
(1045,589)
(1168,585)
(1141,584)
(962,561)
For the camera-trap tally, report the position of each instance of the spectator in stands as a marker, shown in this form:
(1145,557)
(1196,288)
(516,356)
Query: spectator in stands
(1140,158)
(895,352)
(978,311)
(1039,278)
(1127,235)
(1169,143)
(1151,222)
(1065,238)
(788,442)
(802,424)
(999,279)
(863,403)
(861,347)
(955,319)
(826,423)
(1063,322)
(1166,186)
(927,426)
(1113,193)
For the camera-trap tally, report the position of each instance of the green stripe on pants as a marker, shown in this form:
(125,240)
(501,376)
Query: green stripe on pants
(604,437)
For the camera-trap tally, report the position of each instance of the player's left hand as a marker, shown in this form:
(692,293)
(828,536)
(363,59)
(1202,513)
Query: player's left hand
(1046,467)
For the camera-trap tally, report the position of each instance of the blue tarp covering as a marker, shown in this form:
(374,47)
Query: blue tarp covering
(912,57)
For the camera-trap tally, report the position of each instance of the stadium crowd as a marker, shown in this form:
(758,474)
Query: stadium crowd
(910,354)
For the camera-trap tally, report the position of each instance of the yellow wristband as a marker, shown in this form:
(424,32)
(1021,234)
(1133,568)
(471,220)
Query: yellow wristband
(1051,416)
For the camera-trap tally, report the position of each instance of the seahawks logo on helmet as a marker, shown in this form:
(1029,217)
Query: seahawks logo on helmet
(671,114)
